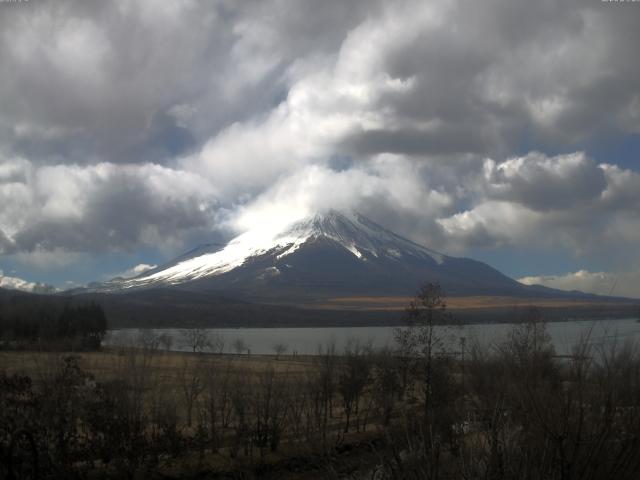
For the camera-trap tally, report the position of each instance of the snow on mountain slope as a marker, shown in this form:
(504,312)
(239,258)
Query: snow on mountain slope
(319,257)
(353,232)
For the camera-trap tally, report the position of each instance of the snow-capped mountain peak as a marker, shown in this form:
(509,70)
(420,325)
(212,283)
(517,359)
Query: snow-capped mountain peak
(353,232)
(361,236)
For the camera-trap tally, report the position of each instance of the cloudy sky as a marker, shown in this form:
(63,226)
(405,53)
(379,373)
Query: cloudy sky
(504,130)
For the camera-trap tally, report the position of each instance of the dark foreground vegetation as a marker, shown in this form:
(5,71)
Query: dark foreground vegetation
(514,411)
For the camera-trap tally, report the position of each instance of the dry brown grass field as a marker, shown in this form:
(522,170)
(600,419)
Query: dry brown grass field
(108,364)
(399,303)
(168,376)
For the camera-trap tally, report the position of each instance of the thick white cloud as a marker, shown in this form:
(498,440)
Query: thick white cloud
(102,207)
(134,271)
(564,201)
(600,283)
(56,212)
(387,183)
(15,283)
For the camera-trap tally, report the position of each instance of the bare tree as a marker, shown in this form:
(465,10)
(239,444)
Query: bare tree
(217,401)
(239,345)
(166,340)
(353,378)
(164,430)
(406,355)
(322,386)
(240,418)
(137,381)
(269,402)
(300,409)
(191,385)
(148,340)
(217,343)
(420,339)
(197,339)
(387,382)
(280,349)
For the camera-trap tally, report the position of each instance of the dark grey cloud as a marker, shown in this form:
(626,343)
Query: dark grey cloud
(442,140)
(543,183)
(494,78)
(6,244)
(86,81)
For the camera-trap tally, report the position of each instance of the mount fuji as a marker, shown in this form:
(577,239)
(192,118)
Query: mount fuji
(323,255)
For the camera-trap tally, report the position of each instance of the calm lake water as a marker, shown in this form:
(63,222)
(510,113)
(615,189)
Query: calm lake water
(564,335)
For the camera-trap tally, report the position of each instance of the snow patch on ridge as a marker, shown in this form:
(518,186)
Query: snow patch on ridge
(352,248)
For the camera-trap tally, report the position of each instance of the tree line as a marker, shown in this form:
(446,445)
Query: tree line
(50,323)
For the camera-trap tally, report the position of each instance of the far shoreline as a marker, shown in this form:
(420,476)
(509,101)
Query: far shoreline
(606,318)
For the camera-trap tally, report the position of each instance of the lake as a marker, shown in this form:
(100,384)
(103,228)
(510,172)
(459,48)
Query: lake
(564,335)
